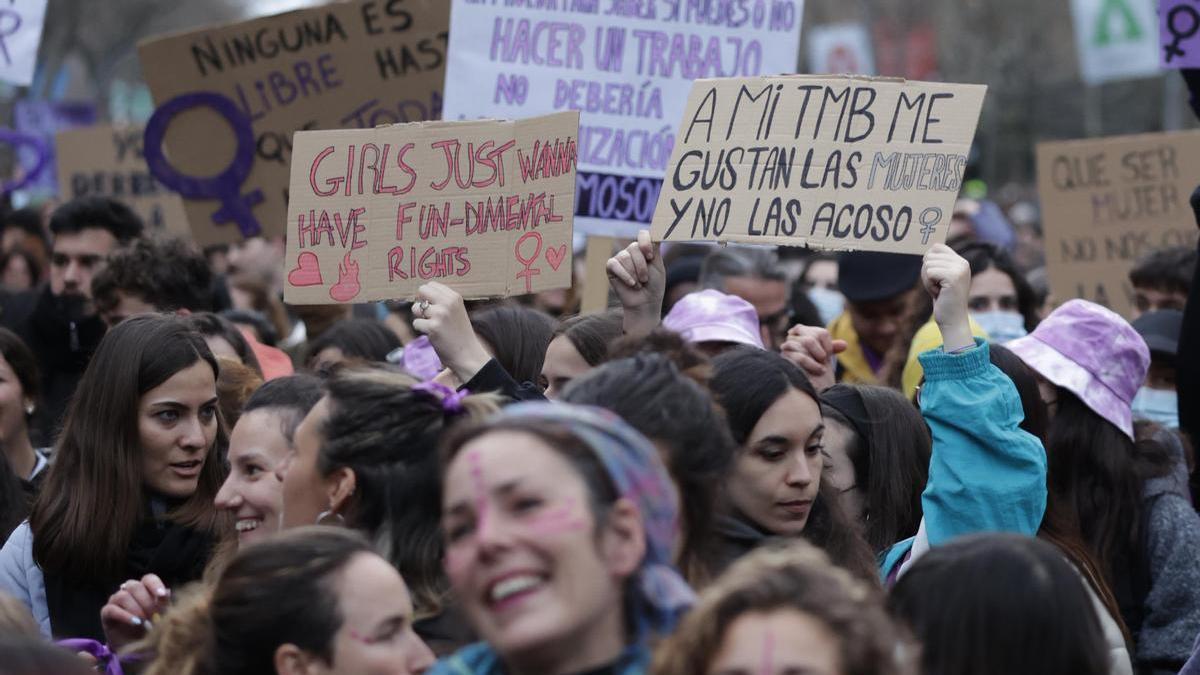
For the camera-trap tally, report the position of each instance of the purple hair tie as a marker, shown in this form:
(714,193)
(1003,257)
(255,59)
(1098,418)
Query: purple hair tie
(451,399)
(103,655)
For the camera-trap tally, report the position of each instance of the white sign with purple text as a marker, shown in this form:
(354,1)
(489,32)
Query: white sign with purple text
(626,66)
(20,33)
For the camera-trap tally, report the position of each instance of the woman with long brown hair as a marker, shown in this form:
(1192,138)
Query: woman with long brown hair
(131,488)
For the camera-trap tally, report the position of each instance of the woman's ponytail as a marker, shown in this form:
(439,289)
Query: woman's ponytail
(182,640)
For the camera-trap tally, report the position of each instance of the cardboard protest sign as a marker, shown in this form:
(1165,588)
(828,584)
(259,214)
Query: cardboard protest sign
(840,48)
(832,162)
(230,97)
(106,161)
(1107,202)
(1115,38)
(1179,33)
(43,120)
(626,66)
(482,206)
(20,34)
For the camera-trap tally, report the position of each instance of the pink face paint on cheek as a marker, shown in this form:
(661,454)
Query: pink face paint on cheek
(481,493)
(559,520)
(354,635)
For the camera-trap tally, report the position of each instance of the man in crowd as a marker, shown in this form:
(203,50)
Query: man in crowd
(755,275)
(1161,279)
(878,288)
(153,276)
(63,327)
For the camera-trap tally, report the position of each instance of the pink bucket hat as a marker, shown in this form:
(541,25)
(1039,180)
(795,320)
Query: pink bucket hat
(1091,352)
(713,316)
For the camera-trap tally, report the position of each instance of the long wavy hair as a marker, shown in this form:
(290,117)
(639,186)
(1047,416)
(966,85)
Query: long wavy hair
(97,466)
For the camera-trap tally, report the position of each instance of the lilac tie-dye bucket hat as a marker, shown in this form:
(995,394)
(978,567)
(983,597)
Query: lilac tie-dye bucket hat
(1091,352)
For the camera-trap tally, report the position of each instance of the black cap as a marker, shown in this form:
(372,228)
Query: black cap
(868,276)
(684,270)
(1161,330)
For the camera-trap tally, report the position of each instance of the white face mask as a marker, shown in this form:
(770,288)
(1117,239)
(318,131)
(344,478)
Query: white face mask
(829,303)
(1001,326)
(1157,405)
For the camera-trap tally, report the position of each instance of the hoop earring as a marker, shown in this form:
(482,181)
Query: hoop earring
(330,517)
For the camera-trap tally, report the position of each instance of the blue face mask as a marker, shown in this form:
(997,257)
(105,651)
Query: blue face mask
(1157,405)
(1001,326)
(829,303)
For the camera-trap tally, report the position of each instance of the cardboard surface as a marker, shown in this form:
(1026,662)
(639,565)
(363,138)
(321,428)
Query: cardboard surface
(1179,33)
(484,207)
(20,34)
(829,162)
(626,66)
(344,65)
(1107,202)
(106,161)
(1116,39)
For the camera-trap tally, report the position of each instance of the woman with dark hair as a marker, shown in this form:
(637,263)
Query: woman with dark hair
(252,495)
(1060,525)
(784,608)
(516,337)
(877,448)
(678,416)
(313,600)
(19,271)
(775,487)
(139,449)
(224,339)
(1134,517)
(580,343)
(560,523)
(20,388)
(1001,300)
(999,604)
(351,342)
(366,457)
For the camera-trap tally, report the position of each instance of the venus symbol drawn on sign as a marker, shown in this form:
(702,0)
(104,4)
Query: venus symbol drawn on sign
(930,218)
(529,272)
(1180,34)
(225,187)
(15,139)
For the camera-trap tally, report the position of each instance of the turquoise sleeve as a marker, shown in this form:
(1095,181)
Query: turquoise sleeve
(986,473)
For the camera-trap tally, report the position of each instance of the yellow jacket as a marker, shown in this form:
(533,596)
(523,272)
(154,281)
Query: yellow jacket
(855,369)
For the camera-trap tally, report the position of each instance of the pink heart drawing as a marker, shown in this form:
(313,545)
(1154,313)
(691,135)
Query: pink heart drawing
(556,256)
(307,272)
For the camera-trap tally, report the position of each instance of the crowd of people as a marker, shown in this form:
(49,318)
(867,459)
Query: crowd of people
(756,461)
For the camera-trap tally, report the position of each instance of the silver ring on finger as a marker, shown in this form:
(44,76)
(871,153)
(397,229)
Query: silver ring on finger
(424,307)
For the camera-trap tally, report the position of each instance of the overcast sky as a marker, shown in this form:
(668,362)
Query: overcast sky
(267,7)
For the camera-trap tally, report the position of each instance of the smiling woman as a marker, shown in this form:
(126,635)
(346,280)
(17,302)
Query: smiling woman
(139,450)
(560,522)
